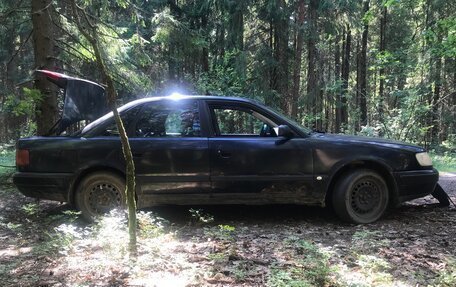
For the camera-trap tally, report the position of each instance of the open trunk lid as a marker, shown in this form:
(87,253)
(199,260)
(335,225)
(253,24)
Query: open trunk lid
(83,100)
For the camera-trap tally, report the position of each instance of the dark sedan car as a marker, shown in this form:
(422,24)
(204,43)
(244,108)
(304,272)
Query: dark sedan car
(221,150)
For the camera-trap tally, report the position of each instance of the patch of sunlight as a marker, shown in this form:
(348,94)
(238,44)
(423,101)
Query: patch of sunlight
(372,263)
(13,251)
(447,275)
(166,259)
(99,253)
(300,263)
(161,279)
(370,270)
(355,277)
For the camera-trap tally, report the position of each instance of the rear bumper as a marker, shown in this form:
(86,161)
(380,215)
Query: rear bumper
(415,184)
(52,186)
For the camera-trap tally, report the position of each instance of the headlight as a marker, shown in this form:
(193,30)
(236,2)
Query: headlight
(423,159)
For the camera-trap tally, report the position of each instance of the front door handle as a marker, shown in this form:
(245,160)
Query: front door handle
(223,154)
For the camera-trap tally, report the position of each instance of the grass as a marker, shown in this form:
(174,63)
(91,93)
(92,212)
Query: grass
(310,266)
(7,159)
(224,253)
(444,161)
(447,276)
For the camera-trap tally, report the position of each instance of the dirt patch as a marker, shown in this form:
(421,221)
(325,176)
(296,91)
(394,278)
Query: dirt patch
(45,244)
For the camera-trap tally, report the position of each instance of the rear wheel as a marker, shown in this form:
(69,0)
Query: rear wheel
(99,193)
(360,196)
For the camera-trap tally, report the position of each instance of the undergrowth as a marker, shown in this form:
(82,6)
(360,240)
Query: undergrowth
(444,161)
(7,162)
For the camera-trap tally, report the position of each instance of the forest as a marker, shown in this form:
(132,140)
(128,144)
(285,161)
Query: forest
(376,68)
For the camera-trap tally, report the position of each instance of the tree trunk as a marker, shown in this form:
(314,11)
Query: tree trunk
(205,50)
(345,78)
(381,91)
(293,108)
(92,38)
(235,37)
(356,106)
(312,79)
(337,70)
(362,80)
(436,96)
(281,54)
(43,44)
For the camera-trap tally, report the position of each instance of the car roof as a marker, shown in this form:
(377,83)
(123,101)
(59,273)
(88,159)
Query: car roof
(178,97)
(173,97)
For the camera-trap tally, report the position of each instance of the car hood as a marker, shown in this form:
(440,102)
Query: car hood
(368,141)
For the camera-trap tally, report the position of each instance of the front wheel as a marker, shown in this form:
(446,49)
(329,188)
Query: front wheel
(360,196)
(99,193)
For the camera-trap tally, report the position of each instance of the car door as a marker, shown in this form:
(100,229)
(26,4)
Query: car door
(249,160)
(171,155)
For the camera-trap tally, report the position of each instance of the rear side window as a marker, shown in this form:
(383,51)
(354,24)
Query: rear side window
(168,119)
(109,127)
(127,119)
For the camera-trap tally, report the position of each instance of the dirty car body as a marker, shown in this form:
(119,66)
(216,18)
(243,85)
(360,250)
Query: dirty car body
(221,150)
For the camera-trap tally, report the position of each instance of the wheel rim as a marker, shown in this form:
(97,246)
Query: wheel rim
(367,198)
(103,197)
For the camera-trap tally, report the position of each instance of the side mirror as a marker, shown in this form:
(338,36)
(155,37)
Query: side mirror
(284,131)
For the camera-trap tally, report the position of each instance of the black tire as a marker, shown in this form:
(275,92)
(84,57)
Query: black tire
(99,193)
(360,196)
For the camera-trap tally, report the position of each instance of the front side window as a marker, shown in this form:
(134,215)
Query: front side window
(232,121)
(169,119)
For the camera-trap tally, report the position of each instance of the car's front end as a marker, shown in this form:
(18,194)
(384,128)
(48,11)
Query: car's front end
(418,180)
(408,167)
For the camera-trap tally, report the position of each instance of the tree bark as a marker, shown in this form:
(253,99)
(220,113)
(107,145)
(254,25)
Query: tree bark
(281,54)
(91,36)
(337,69)
(235,37)
(312,79)
(363,70)
(381,91)
(436,95)
(43,44)
(205,50)
(293,105)
(345,77)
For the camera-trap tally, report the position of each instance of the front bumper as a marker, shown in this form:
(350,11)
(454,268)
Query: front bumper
(52,186)
(415,184)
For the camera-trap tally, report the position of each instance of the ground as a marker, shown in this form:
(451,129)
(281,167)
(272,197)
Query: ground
(47,244)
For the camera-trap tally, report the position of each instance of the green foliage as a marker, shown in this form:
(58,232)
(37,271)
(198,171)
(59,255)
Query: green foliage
(218,257)
(31,209)
(364,240)
(150,225)
(447,276)
(444,162)
(220,232)
(199,216)
(23,106)
(226,78)
(7,163)
(312,269)
(249,49)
